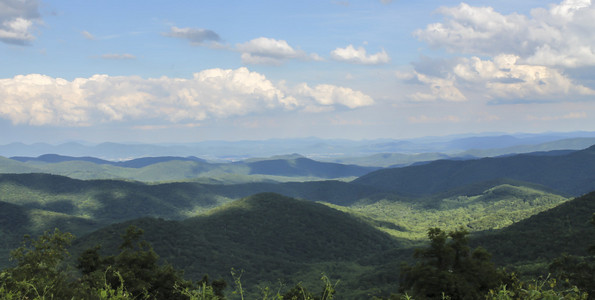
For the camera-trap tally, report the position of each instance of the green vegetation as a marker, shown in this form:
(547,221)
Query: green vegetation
(280,237)
(156,169)
(571,174)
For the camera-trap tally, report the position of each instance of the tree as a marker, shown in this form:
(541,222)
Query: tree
(577,270)
(448,268)
(137,268)
(39,270)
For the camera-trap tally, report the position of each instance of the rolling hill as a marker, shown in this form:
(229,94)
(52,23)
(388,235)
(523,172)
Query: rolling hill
(269,236)
(542,237)
(170,168)
(571,174)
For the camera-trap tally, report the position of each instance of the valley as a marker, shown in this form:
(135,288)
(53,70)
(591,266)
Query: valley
(288,219)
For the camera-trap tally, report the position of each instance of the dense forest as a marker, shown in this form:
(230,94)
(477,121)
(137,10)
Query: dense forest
(510,227)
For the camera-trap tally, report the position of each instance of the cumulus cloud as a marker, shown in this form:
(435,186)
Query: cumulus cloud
(359,56)
(196,36)
(115,56)
(523,57)
(558,36)
(17,21)
(502,79)
(215,93)
(270,51)
(327,95)
(439,89)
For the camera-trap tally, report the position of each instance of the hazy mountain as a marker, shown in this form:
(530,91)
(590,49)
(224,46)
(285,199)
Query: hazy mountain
(170,168)
(571,173)
(319,149)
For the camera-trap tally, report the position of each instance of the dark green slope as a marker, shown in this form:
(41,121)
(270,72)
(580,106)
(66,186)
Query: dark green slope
(571,174)
(103,200)
(562,229)
(269,236)
(306,167)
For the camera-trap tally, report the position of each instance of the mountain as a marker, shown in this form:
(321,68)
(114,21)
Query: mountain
(542,237)
(268,236)
(493,144)
(133,163)
(170,168)
(302,166)
(571,174)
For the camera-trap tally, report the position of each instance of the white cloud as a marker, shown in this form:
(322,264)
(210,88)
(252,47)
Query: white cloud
(558,36)
(196,36)
(17,20)
(329,95)
(118,56)
(439,89)
(504,78)
(215,93)
(87,35)
(359,56)
(271,51)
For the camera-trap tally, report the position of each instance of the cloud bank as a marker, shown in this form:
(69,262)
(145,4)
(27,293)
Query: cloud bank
(558,36)
(215,93)
(523,58)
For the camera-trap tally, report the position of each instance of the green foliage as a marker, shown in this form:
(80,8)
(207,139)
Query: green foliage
(135,268)
(570,173)
(544,236)
(545,289)
(39,271)
(448,268)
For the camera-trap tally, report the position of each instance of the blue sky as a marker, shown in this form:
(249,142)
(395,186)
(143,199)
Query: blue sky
(184,71)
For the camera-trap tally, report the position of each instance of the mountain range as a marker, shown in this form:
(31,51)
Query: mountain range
(281,219)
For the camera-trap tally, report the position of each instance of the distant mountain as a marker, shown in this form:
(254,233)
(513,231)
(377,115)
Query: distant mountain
(133,163)
(169,168)
(268,236)
(571,174)
(306,167)
(492,144)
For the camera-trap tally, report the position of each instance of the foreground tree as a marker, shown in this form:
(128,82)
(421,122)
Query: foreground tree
(40,272)
(448,268)
(577,270)
(137,268)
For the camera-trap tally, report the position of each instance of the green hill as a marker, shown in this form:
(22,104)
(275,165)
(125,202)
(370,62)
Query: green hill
(269,236)
(571,174)
(169,168)
(485,206)
(562,229)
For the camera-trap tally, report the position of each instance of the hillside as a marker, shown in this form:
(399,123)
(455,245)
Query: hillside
(562,229)
(269,236)
(170,168)
(571,174)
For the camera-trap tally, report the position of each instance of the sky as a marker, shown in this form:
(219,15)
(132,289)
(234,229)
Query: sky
(189,71)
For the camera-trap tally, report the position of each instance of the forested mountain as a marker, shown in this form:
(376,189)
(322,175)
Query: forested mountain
(571,174)
(169,168)
(269,236)
(540,238)
(359,232)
